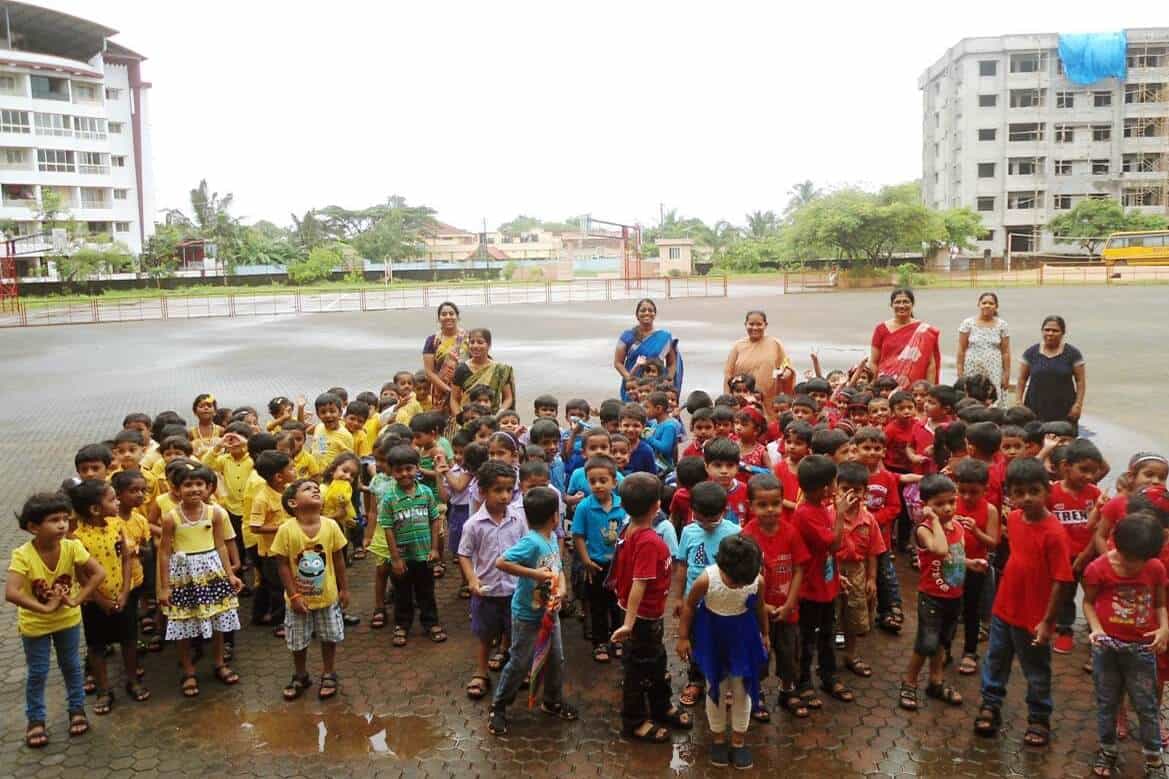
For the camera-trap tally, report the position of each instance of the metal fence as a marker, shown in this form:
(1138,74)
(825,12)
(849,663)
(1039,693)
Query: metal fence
(820,279)
(94,310)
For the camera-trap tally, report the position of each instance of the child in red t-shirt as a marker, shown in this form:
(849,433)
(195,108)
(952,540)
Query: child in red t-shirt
(690,471)
(1029,593)
(906,439)
(861,545)
(984,441)
(1124,603)
(980,519)
(702,430)
(784,559)
(1072,500)
(883,500)
(797,444)
(1144,469)
(642,577)
(943,564)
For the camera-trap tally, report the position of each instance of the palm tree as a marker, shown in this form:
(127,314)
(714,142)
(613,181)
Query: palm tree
(800,195)
(760,224)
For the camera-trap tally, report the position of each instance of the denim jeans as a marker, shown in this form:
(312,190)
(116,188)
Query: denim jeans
(888,586)
(36,653)
(645,693)
(1120,667)
(523,646)
(817,630)
(1005,643)
(1066,613)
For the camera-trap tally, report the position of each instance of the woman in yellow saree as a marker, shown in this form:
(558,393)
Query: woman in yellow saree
(480,370)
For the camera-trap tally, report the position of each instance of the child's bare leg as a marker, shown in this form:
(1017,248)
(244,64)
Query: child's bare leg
(482,653)
(382,577)
(97,666)
(328,657)
(936,664)
(130,659)
(185,656)
(916,662)
(217,647)
(300,662)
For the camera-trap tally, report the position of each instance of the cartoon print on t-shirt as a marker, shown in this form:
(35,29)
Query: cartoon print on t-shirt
(310,571)
(610,533)
(42,590)
(1132,605)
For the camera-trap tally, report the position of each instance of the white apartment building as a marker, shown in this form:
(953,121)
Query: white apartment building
(74,119)
(1006,134)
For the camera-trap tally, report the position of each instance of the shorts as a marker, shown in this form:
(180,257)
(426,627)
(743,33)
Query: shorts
(858,611)
(459,512)
(103,629)
(325,622)
(490,617)
(937,620)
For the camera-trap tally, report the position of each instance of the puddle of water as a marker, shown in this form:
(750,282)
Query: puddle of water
(682,758)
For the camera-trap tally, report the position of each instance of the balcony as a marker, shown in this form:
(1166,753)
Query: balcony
(16,159)
(18,196)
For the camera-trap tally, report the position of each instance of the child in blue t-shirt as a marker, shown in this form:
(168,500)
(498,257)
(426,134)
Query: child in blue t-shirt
(535,562)
(641,455)
(596,525)
(696,550)
(664,433)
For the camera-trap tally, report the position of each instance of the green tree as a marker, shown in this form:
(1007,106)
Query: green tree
(521,224)
(800,195)
(962,227)
(854,224)
(308,232)
(317,266)
(761,224)
(94,258)
(160,255)
(212,221)
(1090,222)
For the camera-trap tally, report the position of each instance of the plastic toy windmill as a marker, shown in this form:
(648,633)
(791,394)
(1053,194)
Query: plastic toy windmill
(551,592)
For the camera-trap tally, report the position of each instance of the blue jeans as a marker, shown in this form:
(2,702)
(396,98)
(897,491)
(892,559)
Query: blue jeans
(1005,643)
(888,586)
(36,655)
(523,645)
(1125,667)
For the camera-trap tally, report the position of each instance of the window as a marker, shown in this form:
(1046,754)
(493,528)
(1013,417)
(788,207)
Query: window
(987,235)
(10,84)
(118,161)
(14,158)
(1031,62)
(1143,196)
(1063,167)
(988,101)
(53,124)
(45,88)
(121,194)
(1027,199)
(1065,100)
(14,122)
(1134,127)
(1148,56)
(1026,131)
(1143,162)
(1144,93)
(93,198)
(1027,98)
(116,128)
(85,93)
(675,253)
(1064,133)
(92,162)
(1061,202)
(20,193)
(1024,166)
(986,170)
(113,94)
(122,227)
(1101,99)
(55,160)
(90,127)
(988,68)
(1101,132)
(987,134)
(1100,167)
(985,204)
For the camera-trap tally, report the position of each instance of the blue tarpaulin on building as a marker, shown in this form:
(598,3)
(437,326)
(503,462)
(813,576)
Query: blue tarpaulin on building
(1090,57)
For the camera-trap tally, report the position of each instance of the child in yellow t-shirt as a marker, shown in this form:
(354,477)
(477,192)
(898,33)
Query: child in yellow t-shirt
(231,461)
(265,516)
(204,434)
(93,461)
(130,489)
(357,414)
(330,438)
(110,616)
(172,448)
(291,440)
(47,610)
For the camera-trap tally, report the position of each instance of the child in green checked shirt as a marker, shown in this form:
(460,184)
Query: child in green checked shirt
(407,515)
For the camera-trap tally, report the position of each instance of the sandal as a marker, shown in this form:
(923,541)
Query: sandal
(296,686)
(1105,762)
(439,570)
(988,721)
(359,553)
(350,620)
(497,723)
(838,690)
(225,675)
(907,698)
(465,592)
(154,643)
(1038,734)
(379,618)
(944,693)
(889,624)
(104,703)
(561,710)
(328,686)
(78,723)
(859,667)
(811,699)
(189,690)
(761,714)
(35,736)
(969,665)
(601,653)
(399,637)
(793,704)
(437,634)
(477,687)
(648,732)
(677,718)
(146,626)
(497,661)
(90,686)
(896,613)
(137,692)
(691,694)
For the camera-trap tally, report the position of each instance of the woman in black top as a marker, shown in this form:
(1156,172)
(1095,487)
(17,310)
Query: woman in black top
(1051,375)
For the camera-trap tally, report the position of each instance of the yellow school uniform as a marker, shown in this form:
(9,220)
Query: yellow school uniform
(311,560)
(234,475)
(256,484)
(327,444)
(337,503)
(39,581)
(406,411)
(267,511)
(167,504)
(204,443)
(371,428)
(151,455)
(305,465)
(105,544)
(137,531)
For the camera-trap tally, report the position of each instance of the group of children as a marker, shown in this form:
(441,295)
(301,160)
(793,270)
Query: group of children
(773,530)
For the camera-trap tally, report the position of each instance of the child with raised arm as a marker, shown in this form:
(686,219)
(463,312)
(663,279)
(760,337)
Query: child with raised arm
(308,551)
(535,562)
(42,583)
(883,500)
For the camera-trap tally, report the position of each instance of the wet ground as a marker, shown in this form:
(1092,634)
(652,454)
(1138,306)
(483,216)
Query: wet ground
(402,712)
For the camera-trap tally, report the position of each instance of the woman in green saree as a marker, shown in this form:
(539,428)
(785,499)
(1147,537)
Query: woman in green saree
(481,370)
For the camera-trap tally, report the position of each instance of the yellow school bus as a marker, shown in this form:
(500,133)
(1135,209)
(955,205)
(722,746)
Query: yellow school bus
(1150,247)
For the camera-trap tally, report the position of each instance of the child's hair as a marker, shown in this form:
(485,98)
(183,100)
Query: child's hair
(782,397)
(290,493)
(93,453)
(340,392)
(948,440)
(722,414)
(708,499)
(633,411)
(972,471)
(277,403)
(129,437)
(618,438)
(222,415)
(508,413)
(242,429)
(242,413)
(726,401)
(752,416)
(400,374)
(358,408)
(545,401)
(199,472)
(182,443)
(720,450)
(1033,433)
(1082,449)
(474,456)
(653,362)
(202,397)
(270,463)
(834,374)
(610,410)
(533,468)
(828,441)
(690,471)
(806,401)
(402,455)
(122,480)
(1019,416)
(601,461)
(815,472)
(40,505)
(596,432)
(1025,472)
(261,442)
(85,496)
(1139,536)
(338,461)
(178,464)
(706,413)
(533,452)
(485,421)
(1058,456)
(542,429)
(660,399)
(899,397)
(698,400)
(869,434)
(853,474)
(639,493)
(1059,428)
(935,484)
(172,431)
(294,424)
(426,422)
(368,398)
(1013,431)
(746,379)
(817,385)
(491,471)
(136,417)
(886,382)
(481,392)
(802,431)
(577,404)
(460,439)
(541,506)
(946,397)
(973,414)
(763,482)
(328,399)
(421,379)
(506,440)
(1153,500)
(978,386)
(739,558)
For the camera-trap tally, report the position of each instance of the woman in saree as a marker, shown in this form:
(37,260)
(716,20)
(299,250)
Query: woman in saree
(763,357)
(442,353)
(905,348)
(480,370)
(642,343)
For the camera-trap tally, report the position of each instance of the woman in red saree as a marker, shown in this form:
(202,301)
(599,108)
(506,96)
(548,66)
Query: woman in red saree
(903,347)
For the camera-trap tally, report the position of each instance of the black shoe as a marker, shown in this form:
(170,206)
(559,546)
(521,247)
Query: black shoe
(350,620)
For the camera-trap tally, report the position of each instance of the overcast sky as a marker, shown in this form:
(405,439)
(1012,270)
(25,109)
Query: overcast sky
(490,109)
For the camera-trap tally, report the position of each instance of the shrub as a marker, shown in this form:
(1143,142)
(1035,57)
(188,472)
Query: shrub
(316,267)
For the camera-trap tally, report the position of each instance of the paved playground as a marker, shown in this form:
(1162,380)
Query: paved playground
(402,712)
